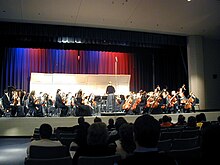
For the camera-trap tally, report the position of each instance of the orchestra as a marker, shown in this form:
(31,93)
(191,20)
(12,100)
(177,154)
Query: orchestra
(19,103)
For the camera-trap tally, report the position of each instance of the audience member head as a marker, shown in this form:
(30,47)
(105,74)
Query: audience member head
(97,134)
(97,119)
(191,121)
(126,137)
(81,120)
(111,124)
(203,116)
(45,131)
(119,121)
(199,118)
(181,119)
(165,118)
(146,131)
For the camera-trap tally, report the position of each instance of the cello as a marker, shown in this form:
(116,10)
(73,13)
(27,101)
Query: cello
(127,105)
(189,102)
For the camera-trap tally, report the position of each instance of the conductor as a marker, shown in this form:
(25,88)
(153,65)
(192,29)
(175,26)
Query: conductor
(110,91)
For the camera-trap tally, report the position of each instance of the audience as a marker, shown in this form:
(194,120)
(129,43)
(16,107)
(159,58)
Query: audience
(166,121)
(114,135)
(181,120)
(191,123)
(97,142)
(111,124)
(97,119)
(146,136)
(134,142)
(81,132)
(45,135)
(125,144)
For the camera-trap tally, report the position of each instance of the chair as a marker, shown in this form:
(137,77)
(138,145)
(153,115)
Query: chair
(101,160)
(52,161)
(67,138)
(42,152)
(190,133)
(164,145)
(186,156)
(170,135)
(185,143)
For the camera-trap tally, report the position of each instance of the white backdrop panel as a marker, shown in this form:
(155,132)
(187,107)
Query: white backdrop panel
(89,83)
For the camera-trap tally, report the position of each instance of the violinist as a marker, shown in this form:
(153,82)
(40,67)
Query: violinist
(33,108)
(15,103)
(60,104)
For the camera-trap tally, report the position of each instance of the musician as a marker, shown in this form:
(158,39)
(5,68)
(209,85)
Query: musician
(6,102)
(173,104)
(142,99)
(110,91)
(181,97)
(191,102)
(81,108)
(60,104)
(34,108)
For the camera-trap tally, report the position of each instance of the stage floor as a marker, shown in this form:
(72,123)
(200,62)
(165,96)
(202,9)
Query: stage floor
(24,126)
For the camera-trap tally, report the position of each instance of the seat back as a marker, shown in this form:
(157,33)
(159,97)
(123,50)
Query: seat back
(186,156)
(190,133)
(42,152)
(101,160)
(52,161)
(164,145)
(170,135)
(185,143)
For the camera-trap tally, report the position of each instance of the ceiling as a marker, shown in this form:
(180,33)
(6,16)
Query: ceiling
(197,17)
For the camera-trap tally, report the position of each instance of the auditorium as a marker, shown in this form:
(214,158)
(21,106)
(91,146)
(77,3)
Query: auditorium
(64,63)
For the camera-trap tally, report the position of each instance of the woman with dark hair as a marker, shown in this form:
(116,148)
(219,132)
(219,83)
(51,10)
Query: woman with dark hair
(125,144)
(97,142)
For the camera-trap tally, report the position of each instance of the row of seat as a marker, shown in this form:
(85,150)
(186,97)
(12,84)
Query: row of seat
(174,134)
(58,155)
(178,144)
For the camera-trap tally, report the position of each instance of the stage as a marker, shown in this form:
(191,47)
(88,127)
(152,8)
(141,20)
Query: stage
(24,126)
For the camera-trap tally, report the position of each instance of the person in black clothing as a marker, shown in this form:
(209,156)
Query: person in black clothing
(6,102)
(60,104)
(110,91)
(97,143)
(35,109)
(81,108)
(146,136)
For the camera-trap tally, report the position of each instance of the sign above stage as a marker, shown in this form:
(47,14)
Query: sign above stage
(89,83)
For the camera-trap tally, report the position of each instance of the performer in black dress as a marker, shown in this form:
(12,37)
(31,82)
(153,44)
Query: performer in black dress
(81,108)
(60,104)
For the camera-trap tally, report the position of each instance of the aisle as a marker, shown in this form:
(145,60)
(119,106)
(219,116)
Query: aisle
(13,150)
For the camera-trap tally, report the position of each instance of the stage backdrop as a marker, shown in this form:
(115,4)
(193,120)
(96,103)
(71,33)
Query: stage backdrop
(165,66)
(88,83)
